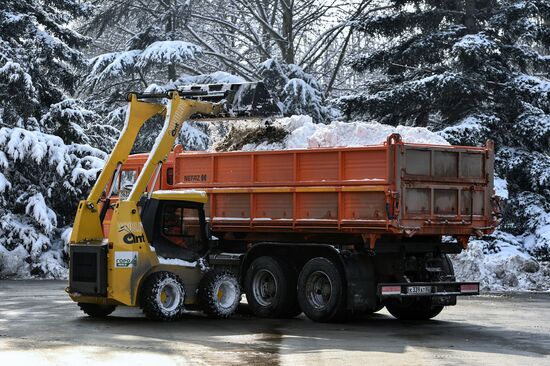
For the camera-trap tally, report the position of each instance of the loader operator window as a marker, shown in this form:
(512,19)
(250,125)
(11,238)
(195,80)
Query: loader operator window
(181,227)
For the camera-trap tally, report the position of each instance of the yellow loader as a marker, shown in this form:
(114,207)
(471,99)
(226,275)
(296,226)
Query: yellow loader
(125,267)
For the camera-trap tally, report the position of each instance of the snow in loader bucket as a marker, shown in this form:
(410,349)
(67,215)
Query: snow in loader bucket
(251,99)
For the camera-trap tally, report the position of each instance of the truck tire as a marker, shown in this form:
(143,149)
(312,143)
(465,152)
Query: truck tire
(420,309)
(321,292)
(270,286)
(96,310)
(162,296)
(219,294)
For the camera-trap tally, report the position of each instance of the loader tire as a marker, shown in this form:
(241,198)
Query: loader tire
(96,310)
(162,296)
(420,309)
(321,291)
(270,286)
(219,294)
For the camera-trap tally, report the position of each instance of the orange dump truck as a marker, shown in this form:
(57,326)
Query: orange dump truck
(339,231)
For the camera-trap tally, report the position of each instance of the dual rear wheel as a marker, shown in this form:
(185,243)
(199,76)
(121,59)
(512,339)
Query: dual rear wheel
(270,286)
(321,292)
(275,290)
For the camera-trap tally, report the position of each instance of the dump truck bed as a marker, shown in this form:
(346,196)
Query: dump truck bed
(395,188)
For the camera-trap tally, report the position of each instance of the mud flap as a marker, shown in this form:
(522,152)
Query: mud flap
(361,282)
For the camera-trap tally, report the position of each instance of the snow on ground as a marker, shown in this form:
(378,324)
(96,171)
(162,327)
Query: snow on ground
(502,266)
(14,262)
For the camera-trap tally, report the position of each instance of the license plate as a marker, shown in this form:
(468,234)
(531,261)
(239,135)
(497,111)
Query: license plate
(419,289)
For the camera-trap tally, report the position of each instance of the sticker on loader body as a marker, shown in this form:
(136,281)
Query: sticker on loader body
(126,259)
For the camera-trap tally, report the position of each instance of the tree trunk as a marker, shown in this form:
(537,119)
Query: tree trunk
(288,33)
(469,17)
(338,63)
(266,37)
(169,27)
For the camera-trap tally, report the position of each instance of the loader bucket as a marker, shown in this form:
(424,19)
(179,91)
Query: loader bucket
(240,100)
(251,99)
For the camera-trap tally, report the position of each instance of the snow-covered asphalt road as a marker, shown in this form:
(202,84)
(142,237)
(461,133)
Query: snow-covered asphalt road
(39,325)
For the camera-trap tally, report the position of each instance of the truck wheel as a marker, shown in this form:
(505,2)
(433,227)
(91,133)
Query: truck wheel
(321,291)
(420,309)
(96,310)
(162,296)
(219,294)
(270,286)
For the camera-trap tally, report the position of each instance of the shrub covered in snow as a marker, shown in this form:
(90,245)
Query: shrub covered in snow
(46,162)
(42,180)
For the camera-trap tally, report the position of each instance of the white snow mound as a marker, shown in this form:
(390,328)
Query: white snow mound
(306,134)
(507,270)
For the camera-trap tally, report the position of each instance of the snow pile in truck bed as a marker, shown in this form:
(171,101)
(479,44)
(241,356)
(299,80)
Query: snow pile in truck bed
(303,133)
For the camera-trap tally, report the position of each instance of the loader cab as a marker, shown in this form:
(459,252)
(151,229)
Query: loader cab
(175,224)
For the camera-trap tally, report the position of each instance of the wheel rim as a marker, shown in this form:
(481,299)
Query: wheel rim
(226,293)
(318,289)
(264,287)
(169,296)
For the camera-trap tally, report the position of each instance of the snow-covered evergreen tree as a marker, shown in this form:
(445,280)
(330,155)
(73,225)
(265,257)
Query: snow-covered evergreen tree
(472,70)
(297,91)
(46,165)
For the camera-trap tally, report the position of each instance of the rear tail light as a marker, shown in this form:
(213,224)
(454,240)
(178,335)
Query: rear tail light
(391,290)
(469,288)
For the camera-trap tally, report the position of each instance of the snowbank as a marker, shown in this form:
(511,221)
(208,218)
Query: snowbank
(501,266)
(305,134)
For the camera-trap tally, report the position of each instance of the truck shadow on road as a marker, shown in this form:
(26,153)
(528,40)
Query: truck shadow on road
(249,340)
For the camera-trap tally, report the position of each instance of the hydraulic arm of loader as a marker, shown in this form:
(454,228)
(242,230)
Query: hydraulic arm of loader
(87,224)
(177,112)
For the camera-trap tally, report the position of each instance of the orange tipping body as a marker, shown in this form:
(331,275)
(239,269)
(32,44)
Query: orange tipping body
(396,188)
